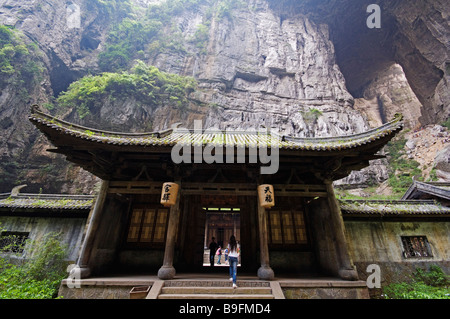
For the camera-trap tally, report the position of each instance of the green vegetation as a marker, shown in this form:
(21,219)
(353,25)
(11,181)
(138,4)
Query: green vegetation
(431,284)
(152,33)
(19,64)
(201,38)
(157,31)
(225,8)
(342,194)
(433,175)
(447,124)
(311,116)
(116,8)
(144,83)
(125,40)
(40,276)
(402,170)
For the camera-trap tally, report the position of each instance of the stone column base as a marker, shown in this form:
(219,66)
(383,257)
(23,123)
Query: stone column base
(83,272)
(348,274)
(265,273)
(166,272)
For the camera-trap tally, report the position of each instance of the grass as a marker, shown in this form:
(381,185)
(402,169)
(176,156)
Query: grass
(39,276)
(425,284)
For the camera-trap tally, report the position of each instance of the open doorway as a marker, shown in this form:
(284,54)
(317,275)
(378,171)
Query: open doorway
(220,224)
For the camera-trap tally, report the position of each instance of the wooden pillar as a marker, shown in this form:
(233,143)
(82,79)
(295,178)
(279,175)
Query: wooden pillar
(346,269)
(206,233)
(264,272)
(167,271)
(94,221)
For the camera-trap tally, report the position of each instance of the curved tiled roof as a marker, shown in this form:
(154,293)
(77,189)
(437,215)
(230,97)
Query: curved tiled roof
(46,201)
(175,136)
(438,189)
(393,208)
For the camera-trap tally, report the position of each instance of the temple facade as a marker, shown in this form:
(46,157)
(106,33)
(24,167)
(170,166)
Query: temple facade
(131,228)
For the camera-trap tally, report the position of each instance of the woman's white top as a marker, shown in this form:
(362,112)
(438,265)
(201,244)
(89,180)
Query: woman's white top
(233,253)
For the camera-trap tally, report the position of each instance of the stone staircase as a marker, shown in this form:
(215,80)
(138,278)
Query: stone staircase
(215,289)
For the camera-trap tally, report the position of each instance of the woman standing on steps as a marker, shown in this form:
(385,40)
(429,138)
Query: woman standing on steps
(233,255)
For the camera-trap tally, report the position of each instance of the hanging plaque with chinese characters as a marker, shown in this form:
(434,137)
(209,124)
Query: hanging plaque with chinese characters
(169,194)
(266,196)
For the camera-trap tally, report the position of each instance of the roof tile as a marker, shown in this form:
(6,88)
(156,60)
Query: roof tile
(240,139)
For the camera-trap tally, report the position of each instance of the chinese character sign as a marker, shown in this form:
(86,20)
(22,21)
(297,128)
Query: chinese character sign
(266,196)
(169,194)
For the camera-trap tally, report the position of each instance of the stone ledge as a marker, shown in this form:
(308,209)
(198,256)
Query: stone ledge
(322,284)
(109,283)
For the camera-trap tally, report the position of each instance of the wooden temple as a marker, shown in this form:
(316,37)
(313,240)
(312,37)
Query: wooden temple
(129,230)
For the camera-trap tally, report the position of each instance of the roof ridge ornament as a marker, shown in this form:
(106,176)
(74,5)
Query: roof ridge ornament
(16,190)
(398,117)
(34,108)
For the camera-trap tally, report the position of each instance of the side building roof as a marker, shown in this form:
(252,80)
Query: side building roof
(419,190)
(15,203)
(393,208)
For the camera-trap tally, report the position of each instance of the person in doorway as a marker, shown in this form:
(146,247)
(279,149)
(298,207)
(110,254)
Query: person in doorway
(226,255)
(233,255)
(212,251)
(219,254)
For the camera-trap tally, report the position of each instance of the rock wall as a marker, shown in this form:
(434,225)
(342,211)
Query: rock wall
(387,94)
(71,230)
(287,65)
(378,242)
(261,70)
(422,47)
(415,34)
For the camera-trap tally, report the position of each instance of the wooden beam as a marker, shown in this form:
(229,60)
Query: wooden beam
(240,189)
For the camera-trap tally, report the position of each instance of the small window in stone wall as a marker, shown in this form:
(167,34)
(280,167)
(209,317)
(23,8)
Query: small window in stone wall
(13,242)
(416,247)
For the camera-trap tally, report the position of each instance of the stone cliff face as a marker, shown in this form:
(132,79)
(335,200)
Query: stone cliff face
(413,34)
(60,52)
(389,93)
(256,70)
(257,64)
(262,71)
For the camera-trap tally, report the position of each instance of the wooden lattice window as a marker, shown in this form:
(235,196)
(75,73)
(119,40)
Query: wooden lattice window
(286,227)
(148,225)
(13,242)
(416,247)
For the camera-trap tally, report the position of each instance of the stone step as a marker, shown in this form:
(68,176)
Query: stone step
(215,283)
(218,290)
(215,296)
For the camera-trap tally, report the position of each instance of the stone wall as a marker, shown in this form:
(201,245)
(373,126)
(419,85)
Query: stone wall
(378,242)
(325,293)
(71,230)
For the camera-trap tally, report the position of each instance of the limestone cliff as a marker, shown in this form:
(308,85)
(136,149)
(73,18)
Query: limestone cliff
(276,64)
(414,34)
